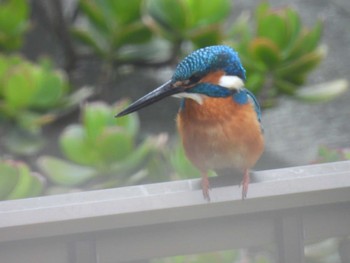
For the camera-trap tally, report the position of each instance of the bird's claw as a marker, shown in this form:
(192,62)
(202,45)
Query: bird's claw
(245,184)
(206,188)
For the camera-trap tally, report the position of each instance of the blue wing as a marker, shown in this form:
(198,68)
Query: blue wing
(255,102)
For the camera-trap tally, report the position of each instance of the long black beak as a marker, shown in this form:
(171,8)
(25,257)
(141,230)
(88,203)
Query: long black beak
(167,89)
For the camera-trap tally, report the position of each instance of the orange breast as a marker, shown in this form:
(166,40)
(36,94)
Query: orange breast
(220,134)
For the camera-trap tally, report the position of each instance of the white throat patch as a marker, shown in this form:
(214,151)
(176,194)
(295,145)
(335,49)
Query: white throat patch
(231,82)
(196,97)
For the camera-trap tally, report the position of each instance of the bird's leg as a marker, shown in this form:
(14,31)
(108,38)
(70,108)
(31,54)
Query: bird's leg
(205,185)
(245,184)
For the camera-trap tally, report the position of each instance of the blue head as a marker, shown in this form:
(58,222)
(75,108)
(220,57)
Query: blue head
(214,71)
(209,59)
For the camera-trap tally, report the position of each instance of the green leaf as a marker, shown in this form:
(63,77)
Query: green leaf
(51,87)
(266,51)
(73,143)
(124,12)
(255,81)
(28,184)
(13,23)
(293,25)
(261,10)
(206,36)
(170,14)
(306,42)
(114,144)
(302,65)
(203,12)
(272,26)
(135,158)
(182,166)
(129,123)
(20,87)
(285,87)
(8,178)
(135,33)
(96,116)
(64,173)
(94,13)
(313,37)
(86,38)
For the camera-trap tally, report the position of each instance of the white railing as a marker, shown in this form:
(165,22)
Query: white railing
(286,207)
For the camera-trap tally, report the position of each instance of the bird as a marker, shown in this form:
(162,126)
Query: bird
(219,120)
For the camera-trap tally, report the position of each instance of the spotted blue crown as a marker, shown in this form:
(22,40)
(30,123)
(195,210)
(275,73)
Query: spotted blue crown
(208,59)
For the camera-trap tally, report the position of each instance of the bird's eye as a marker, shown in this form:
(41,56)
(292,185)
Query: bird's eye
(194,78)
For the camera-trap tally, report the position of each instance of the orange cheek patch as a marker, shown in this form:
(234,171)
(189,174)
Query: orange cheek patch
(213,77)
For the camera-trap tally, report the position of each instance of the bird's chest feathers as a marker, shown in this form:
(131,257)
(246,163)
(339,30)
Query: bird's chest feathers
(219,131)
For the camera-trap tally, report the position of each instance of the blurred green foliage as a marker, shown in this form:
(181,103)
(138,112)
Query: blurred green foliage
(110,26)
(14,23)
(100,148)
(279,52)
(32,96)
(228,256)
(18,181)
(30,93)
(197,21)
(327,154)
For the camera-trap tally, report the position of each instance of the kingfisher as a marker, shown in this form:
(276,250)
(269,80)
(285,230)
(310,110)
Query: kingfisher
(219,120)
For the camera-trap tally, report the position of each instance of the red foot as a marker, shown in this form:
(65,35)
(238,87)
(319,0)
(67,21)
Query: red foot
(205,186)
(245,184)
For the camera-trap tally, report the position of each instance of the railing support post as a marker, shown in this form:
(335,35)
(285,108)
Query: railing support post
(290,238)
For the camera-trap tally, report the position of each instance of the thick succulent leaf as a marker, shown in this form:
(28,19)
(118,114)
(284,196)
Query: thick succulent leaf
(65,173)
(293,28)
(96,116)
(265,50)
(206,36)
(255,82)
(8,178)
(51,88)
(203,12)
(285,87)
(138,155)
(13,23)
(307,41)
(94,12)
(273,26)
(20,87)
(312,37)
(114,144)
(170,14)
(28,184)
(124,12)
(324,91)
(262,10)
(135,33)
(74,145)
(86,38)
(5,64)
(302,65)
(130,123)
(182,166)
